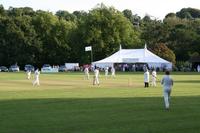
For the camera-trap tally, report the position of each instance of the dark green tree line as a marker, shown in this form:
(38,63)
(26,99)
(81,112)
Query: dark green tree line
(38,37)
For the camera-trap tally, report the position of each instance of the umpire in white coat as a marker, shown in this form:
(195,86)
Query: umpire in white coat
(146,78)
(167,83)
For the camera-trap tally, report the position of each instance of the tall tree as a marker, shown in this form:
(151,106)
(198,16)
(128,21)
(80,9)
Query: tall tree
(105,29)
(164,52)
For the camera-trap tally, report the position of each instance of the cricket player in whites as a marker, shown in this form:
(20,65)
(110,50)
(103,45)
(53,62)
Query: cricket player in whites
(106,72)
(153,78)
(96,76)
(113,72)
(167,83)
(36,80)
(87,75)
(28,72)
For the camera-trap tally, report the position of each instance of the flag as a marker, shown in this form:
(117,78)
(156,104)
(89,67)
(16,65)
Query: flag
(88,48)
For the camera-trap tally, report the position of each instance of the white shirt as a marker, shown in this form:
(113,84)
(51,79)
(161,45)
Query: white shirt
(96,73)
(113,70)
(37,74)
(106,70)
(86,70)
(154,74)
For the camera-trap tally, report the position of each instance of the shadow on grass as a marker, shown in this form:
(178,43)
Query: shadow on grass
(100,115)
(187,81)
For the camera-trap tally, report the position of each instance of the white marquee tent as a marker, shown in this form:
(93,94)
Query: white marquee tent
(134,56)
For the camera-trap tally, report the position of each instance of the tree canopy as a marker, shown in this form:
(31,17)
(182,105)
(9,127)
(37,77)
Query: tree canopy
(38,37)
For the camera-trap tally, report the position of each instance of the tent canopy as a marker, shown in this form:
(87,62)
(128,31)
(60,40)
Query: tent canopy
(134,56)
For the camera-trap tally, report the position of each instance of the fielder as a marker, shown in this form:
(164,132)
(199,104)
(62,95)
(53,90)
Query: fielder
(96,76)
(113,72)
(28,72)
(36,81)
(106,72)
(167,83)
(87,75)
(153,78)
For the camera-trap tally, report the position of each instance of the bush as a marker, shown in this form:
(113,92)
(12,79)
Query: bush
(183,66)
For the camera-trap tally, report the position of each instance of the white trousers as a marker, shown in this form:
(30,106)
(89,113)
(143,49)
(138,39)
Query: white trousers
(113,74)
(36,81)
(96,80)
(153,81)
(28,76)
(166,94)
(87,76)
(106,74)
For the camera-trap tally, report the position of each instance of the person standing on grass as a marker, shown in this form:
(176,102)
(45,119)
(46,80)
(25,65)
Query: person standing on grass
(96,76)
(146,78)
(167,83)
(28,72)
(106,72)
(154,77)
(113,72)
(86,71)
(36,78)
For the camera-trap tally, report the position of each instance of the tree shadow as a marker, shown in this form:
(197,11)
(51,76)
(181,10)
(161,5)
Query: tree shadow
(187,81)
(100,115)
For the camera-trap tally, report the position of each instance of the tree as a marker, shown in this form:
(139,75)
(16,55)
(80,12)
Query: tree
(134,19)
(105,29)
(66,15)
(164,52)
(54,34)
(19,40)
(154,31)
(170,15)
(189,13)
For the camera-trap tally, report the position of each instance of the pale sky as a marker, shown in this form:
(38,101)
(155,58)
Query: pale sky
(156,8)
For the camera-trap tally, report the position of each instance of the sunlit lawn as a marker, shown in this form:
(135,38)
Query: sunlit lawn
(67,103)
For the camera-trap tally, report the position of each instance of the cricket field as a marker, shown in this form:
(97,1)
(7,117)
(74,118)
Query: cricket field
(68,103)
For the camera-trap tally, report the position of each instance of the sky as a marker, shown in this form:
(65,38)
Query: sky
(158,9)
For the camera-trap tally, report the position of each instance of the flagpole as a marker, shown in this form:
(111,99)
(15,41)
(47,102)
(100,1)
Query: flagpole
(89,48)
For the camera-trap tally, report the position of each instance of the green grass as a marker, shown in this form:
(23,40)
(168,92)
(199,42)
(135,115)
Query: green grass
(66,103)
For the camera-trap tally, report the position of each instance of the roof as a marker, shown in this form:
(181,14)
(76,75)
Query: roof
(133,56)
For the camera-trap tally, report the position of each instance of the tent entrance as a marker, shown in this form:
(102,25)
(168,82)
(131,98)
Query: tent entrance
(130,66)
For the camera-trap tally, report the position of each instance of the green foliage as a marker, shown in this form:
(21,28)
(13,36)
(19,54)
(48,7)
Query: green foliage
(163,51)
(134,19)
(188,13)
(183,65)
(105,29)
(38,37)
(66,15)
(170,15)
